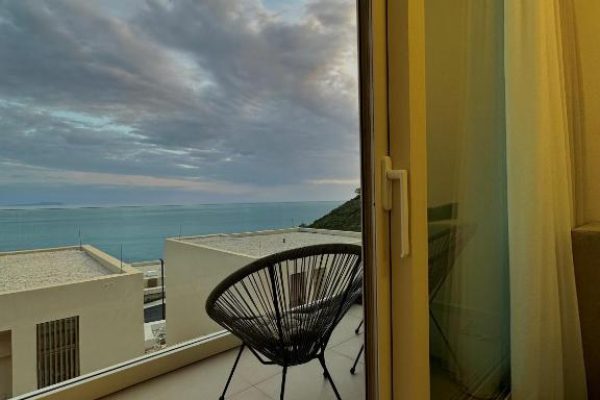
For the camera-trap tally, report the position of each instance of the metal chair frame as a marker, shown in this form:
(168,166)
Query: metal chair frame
(284,317)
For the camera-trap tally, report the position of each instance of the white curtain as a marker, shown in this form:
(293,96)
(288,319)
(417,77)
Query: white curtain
(469,342)
(479,283)
(546,350)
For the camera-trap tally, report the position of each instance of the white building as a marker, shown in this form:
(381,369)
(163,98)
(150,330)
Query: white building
(65,312)
(194,265)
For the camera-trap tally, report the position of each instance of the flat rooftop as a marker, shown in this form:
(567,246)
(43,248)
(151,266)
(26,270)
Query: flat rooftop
(149,268)
(260,244)
(37,269)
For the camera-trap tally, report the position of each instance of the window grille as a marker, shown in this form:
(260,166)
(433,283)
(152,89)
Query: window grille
(57,351)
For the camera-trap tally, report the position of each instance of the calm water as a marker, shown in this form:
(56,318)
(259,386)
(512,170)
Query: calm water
(141,230)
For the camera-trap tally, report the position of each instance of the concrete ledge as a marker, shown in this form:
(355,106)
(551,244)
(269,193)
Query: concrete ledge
(110,380)
(109,262)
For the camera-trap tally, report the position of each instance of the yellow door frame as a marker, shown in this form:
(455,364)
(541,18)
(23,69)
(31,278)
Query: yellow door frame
(408,150)
(397,294)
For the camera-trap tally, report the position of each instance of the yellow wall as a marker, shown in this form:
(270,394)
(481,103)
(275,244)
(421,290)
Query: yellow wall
(447,101)
(446,85)
(587,15)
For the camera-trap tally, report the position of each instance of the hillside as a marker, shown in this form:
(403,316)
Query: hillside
(345,217)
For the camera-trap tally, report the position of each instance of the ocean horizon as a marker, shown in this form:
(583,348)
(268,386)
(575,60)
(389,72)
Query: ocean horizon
(137,232)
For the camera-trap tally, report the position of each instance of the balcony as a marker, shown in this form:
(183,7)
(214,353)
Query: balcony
(104,285)
(254,381)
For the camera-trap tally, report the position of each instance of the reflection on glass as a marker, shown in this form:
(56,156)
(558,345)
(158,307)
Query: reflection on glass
(468,255)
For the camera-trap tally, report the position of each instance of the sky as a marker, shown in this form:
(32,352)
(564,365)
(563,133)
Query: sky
(177,101)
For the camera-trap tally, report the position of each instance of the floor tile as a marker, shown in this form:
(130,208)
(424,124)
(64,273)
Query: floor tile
(250,394)
(255,381)
(254,371)
(356,311)
(344,330)
(307,381)
(350,348)
(204,380)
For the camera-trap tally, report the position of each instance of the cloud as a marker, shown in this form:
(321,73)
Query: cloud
(205,91)
(343,182)
(46,176)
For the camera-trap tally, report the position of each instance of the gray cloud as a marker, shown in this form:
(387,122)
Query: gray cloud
(215,91)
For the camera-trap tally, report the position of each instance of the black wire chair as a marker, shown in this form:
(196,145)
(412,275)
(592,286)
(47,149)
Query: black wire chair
(444,242)
(284,307)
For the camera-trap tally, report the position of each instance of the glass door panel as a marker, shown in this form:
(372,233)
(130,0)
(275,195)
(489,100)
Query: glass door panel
(467,211)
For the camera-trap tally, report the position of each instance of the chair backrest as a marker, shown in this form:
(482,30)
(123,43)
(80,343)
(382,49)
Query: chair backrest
(286,305)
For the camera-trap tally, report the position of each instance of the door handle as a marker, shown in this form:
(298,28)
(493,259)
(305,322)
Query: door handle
(388,176)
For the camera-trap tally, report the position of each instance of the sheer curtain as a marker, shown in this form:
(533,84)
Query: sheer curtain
(546,351)
(469,334)
(480,279)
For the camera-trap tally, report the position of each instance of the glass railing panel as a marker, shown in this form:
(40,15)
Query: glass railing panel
(132,131)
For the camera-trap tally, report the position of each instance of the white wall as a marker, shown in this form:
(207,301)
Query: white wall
(191,273)
(111,322)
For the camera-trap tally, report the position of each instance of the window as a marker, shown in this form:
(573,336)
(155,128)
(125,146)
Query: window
(147,132)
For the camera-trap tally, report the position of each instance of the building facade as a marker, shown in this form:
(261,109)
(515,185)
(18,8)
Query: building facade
(63,313)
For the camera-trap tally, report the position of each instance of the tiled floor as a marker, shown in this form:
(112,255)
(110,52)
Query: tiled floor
(254,381)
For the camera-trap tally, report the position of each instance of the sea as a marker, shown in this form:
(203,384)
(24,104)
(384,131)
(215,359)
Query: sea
(137,233)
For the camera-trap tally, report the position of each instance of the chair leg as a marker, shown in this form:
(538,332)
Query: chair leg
(237,359)
(283,382)
(328,376)
(353,369)
(357,330)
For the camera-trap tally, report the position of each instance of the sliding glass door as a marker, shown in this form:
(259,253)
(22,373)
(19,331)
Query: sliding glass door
(440,198)
(467,212)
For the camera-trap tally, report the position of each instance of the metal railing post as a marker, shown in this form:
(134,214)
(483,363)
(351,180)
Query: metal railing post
(162,281)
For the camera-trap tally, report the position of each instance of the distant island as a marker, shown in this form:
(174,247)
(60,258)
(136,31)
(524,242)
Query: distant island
(40,204)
